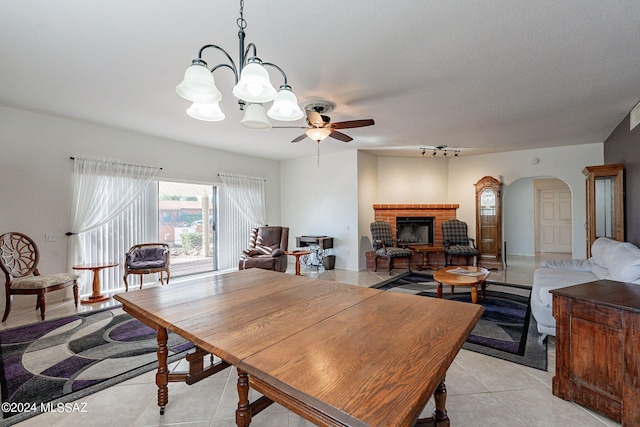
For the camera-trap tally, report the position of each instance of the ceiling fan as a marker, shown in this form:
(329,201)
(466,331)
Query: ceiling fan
(320,126)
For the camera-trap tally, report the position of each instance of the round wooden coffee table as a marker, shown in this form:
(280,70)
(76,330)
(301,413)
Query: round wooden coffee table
(478,277)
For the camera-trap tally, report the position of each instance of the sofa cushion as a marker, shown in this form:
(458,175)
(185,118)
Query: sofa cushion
(624,265)
(569,264)
(603,251)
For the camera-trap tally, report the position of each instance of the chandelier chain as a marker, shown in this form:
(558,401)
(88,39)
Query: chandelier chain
(242,24)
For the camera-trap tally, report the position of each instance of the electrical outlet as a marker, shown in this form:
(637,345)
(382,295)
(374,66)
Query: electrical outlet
(49,237)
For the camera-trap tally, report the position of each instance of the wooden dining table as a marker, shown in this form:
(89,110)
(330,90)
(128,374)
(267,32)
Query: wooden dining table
(333,353)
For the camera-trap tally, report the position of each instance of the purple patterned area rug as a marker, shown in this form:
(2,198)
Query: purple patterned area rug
(62,360)
(506,330)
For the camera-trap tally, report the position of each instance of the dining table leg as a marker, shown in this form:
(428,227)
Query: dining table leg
(243,413)
(440,417)
(162,375)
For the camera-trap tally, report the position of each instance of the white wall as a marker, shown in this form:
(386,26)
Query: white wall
(518,222)
(323,200)
(565,163)
(36,172)
(412,180)
(367,196)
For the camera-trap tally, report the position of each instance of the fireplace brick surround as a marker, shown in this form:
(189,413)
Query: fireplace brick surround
(389,212)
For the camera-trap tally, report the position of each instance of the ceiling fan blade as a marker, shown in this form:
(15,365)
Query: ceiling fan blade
(300,138)
(340,136)
(315,119)
(352,124)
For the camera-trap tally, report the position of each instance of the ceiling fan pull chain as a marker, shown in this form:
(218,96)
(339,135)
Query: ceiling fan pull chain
(318,154)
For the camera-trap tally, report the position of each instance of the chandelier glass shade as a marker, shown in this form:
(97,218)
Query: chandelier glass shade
(206,111)
(253,87)
(254,84)
(198,84)
(255,117)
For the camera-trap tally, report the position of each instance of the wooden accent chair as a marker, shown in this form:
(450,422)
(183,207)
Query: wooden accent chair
(19,258)
(456,242)
(384,244)
(147,258)
(267,247)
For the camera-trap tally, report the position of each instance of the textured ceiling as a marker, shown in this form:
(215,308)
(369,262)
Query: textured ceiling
(480,76)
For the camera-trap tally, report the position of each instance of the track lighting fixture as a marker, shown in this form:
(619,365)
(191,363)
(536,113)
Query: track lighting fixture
(440,149)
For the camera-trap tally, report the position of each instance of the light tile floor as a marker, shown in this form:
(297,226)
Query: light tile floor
(482,390)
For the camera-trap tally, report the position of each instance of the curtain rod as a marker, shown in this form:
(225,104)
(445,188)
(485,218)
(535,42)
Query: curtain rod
(126,164)
(243,176)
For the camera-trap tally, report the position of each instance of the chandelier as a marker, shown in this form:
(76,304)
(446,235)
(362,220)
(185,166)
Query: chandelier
(439,150)
(253,87)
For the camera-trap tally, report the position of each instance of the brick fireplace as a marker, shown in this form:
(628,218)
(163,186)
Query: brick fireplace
(390,213)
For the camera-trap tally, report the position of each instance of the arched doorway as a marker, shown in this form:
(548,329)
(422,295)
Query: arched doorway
(522,230)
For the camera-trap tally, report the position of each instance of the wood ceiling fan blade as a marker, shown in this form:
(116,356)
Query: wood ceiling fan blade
(315,119)
(340,136)
(300,138)
(352,124)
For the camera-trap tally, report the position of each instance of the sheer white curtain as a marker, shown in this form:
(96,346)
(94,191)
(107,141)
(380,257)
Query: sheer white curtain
(102,191)
(241,207)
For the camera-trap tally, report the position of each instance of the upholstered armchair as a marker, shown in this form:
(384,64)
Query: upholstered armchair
(147,258)
(456,242)
(267,246)
(383,243)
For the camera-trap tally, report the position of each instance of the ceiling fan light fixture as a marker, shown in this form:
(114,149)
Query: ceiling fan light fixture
(198,84)
(285,106)
(254,85)
(255,117)
(318,134)
(208,112)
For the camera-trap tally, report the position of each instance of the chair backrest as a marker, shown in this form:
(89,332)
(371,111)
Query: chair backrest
(19,254)
(454,232)
(381,233)
(267,239)
(147,252)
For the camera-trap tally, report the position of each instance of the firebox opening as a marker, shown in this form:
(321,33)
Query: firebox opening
(414,230)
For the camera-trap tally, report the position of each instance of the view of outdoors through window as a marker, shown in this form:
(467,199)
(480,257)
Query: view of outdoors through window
(187,223)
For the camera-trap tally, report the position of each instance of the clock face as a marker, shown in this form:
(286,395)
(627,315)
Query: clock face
(488,198)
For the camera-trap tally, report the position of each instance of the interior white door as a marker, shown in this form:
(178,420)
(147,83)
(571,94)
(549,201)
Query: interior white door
(554,219)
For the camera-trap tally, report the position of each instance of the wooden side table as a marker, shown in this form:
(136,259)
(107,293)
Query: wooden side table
(96,295)
(425,250)
(298,254)
(598,348)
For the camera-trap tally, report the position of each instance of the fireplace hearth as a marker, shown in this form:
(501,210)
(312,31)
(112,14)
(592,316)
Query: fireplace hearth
(414,230)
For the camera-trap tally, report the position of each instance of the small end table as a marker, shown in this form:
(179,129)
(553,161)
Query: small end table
(96,295)
(298,254)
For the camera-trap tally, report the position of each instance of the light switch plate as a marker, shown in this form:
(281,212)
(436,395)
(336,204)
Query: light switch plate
(49,237)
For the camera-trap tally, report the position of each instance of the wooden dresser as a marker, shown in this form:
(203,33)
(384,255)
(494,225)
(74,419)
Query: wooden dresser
(598,348)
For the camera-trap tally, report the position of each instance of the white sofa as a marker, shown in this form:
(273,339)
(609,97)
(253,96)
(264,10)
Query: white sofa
(610,260)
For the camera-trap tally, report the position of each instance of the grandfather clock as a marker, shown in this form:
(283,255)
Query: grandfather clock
(489,222)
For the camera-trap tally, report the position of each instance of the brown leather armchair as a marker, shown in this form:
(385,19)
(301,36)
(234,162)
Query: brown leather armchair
(267,246)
